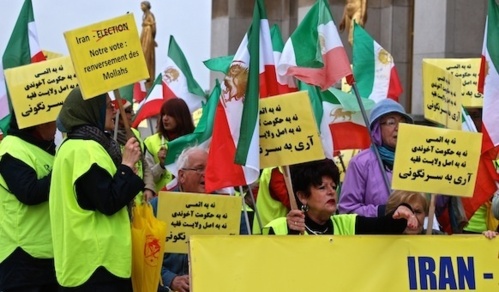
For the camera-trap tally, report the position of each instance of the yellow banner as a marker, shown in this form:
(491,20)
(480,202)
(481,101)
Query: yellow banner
(442,96)
(343,263)
(189,214)
(467,70)
(288,131)
(38,90)
(107,55)
(436,160)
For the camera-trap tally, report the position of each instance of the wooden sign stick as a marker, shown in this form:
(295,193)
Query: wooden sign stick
(128,131)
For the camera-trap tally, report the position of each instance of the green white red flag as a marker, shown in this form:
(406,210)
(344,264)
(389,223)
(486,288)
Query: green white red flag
(201,135)
(22,49)
(151,105)
(178,80)
(233,159)
(488,84)
(286,84)
(373,68)
(139,91)
(341,123)
(339,119)
(314,53)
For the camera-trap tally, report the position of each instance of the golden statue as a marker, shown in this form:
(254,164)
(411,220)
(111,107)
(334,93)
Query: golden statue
(147,40)
(355,10)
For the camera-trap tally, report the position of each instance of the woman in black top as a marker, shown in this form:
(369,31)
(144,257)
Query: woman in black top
(314,185)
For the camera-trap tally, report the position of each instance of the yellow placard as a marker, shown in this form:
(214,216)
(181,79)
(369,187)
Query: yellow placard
(467,70)
(187,214)
(442,96)
(288,131)
(343,263)
(38,90)
(436,160)
(107,55)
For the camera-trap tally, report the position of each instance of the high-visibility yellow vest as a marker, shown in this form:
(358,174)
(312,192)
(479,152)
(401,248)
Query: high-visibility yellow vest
(478,222)
(153,144)
(25,226)
(268,209)
(85,239)
(343,224)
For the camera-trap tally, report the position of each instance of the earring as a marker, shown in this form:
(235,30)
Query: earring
(304,208)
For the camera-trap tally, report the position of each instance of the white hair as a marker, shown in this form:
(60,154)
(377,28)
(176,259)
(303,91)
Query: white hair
(183,158)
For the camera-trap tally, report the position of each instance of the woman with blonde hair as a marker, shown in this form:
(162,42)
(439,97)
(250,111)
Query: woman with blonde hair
(420,206)
(418,203)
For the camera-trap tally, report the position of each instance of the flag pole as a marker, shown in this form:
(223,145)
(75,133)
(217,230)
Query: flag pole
(431,214)
(373,147)
(116,125)
(117,96)
(257,215)
(289,187)
(340,157)
(245,209)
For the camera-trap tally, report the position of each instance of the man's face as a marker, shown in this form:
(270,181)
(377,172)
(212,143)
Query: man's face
(191,177)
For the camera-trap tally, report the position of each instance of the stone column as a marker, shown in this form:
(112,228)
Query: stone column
(445,29)
(410,30)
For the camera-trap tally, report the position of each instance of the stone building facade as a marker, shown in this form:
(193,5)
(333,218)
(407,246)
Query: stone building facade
(409,29)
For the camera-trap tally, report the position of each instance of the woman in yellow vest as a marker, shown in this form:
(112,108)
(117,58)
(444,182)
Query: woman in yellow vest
(174,121)
(314,185)
(26,257)
(92,183)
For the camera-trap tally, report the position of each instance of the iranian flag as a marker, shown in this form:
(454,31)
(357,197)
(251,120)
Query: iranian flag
(314,53)
(201,135)
(489,82)
(126,92)
(286,84)
(22,49)
(373,68)
(485,185)
(139,91)
(467,123)
(178,80)
(219,64)
(233,159)
(338,118)
(151,105)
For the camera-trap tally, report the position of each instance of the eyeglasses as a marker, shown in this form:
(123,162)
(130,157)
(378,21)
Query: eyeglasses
(392,122)
(197,170)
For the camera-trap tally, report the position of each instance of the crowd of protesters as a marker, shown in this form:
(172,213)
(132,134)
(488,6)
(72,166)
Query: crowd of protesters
(64,214)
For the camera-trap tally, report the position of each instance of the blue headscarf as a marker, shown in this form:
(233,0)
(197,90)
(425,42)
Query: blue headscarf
(383,108)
